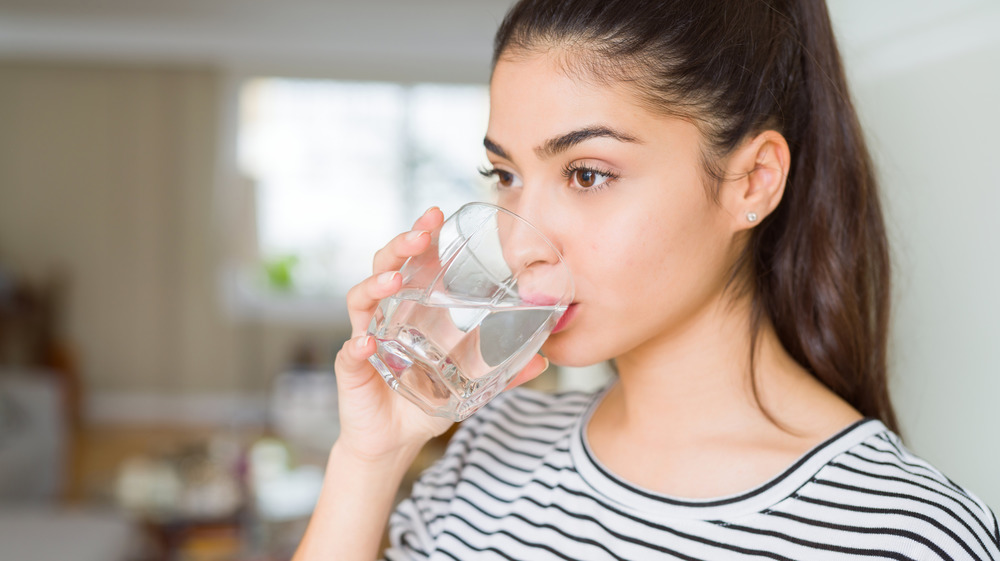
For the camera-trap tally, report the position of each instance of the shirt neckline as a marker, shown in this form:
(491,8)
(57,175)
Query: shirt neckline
(644,502)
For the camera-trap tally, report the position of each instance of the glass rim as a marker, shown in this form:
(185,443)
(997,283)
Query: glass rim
(523,221)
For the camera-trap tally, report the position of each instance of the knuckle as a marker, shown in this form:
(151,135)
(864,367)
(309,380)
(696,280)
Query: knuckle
(389,254)
(344,354)
(338,363)
(353,299)
(352,293)
(359,294)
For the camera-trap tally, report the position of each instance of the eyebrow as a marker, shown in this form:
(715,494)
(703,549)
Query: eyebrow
(495,148)
(563,142)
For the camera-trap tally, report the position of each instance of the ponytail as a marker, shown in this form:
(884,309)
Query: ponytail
(821,261)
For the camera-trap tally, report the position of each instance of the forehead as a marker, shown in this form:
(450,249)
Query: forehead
(539,97)
(541,89)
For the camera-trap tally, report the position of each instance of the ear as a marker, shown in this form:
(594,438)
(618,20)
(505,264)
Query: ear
(756,173)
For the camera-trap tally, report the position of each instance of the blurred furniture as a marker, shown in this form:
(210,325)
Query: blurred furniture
(303,411)
(34,524)
(32,436)
(39,426)
(39,389)
(45,533)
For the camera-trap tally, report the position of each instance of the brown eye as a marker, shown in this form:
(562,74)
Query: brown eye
(501,179)
(586,177)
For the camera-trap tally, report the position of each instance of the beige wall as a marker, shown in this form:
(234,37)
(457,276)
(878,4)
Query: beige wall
(933,128)
(108,172)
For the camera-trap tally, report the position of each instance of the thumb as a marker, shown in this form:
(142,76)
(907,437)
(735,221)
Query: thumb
(535,366)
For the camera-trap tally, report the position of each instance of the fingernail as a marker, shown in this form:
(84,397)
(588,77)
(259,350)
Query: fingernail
(386,277)
(426,212)
(363,342)
(412,236)
(546,367)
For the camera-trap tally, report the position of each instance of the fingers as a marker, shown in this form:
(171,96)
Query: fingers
(399,249)
(431,218)
(351,364)
(536,366)
(364,297)
(404,246)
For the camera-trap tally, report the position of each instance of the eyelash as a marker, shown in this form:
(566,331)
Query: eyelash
(567,173)
(488,172)
(570,169)
(494,173)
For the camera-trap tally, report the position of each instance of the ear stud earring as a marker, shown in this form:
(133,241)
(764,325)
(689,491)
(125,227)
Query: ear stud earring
(752,216)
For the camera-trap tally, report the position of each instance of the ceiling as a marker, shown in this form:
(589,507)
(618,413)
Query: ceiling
(437,38)
(450,37)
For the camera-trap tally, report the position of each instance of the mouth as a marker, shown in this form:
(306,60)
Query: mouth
(539,299)
(565,318)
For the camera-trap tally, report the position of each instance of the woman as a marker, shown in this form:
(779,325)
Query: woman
(702,170)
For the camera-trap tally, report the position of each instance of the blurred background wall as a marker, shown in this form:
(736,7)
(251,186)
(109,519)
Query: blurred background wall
(925,81)
(117,124)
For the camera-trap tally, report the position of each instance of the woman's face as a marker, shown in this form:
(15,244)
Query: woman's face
(620,191)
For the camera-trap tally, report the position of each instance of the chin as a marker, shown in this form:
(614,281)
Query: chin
(570,349)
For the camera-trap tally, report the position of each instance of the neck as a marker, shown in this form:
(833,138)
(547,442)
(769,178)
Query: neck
(698,378)
(687,402)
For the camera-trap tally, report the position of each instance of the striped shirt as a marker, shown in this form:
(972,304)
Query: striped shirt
(518,481)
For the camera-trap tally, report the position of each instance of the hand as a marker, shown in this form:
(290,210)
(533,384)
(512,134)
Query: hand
(376,423)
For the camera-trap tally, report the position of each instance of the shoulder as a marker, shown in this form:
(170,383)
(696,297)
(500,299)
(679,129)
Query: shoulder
(879,483)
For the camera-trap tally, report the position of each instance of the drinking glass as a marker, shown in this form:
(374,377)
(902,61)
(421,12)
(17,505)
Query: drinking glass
(472,311)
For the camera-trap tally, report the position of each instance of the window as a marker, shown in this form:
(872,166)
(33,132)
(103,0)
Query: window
(338,168)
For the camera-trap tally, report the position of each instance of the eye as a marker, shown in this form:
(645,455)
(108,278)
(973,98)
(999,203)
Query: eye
(504,178)
(586,178)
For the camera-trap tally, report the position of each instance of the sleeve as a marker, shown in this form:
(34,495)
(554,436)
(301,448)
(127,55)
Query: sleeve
(969,527)
(418,520)
(994,526)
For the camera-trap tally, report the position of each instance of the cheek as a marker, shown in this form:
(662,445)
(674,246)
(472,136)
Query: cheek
(620,254)
(650,252)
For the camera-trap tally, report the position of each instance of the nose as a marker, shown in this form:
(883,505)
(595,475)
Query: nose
(532,253)
(533,238)
(524,244)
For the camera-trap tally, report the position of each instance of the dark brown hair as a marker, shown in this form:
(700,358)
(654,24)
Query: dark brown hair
(818,266)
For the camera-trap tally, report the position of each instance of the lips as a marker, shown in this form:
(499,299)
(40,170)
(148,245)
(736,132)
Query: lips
(539,299)
(565,318)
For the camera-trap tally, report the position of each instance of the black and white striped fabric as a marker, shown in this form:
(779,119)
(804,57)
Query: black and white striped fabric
(519,482)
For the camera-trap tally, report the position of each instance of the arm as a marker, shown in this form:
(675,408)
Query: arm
(381,432)
(353,509)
